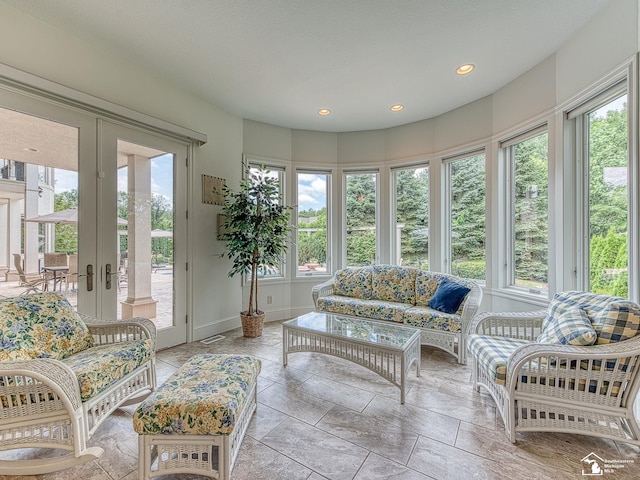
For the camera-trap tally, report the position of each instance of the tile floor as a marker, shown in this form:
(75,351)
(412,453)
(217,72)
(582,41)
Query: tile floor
(322,417)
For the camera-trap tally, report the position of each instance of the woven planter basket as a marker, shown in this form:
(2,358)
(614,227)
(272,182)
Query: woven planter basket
(252,325)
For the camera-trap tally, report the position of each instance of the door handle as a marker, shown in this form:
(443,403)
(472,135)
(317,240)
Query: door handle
(89,276)
(108,275)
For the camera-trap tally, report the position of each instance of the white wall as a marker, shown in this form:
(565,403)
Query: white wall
(38,48)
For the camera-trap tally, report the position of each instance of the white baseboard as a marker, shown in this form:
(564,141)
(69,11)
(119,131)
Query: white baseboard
(230,323)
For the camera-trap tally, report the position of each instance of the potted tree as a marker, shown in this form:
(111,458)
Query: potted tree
(256,232)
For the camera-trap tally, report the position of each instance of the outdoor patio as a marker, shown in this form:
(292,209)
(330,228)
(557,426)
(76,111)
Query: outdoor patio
(161,291)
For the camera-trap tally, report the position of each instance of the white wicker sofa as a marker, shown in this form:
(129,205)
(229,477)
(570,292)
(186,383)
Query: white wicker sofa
(441,305)
(62,374)
(571,368)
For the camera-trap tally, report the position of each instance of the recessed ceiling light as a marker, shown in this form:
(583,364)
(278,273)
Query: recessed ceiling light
(324,111)
(466,68)
(397,108)
(29,149)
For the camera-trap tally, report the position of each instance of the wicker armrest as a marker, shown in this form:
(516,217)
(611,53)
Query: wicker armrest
(322,290)
(125,330)
(38,379)
(524,325)
(553,359)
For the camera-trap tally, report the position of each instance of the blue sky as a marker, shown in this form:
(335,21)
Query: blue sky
(312,191)
(161,178)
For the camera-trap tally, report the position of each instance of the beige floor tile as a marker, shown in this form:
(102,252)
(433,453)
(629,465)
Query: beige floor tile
(326,418)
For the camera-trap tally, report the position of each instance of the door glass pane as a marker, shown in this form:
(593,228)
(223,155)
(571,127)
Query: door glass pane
(145,276)
(38,206)
(608,199)
(412,217)
(468,218)
(361,219)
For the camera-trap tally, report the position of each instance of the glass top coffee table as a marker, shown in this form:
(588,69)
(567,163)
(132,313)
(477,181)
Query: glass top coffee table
(386,348)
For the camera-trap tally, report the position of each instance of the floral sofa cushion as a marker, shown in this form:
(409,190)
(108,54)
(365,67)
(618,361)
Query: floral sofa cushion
(101,366)
(353,282)
(41,325)
(357,307)
(425,317)
(426,286)
(203,397)
(394,283)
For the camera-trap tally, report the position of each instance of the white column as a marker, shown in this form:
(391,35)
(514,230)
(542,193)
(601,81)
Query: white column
(139,302)
(6,259)
(31,265)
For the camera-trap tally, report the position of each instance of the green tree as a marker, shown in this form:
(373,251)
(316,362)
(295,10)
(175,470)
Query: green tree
(66,236)
(361,219)
(412,214)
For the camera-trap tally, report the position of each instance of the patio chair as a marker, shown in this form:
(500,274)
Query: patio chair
(32,283)
(72,275)
(58,263)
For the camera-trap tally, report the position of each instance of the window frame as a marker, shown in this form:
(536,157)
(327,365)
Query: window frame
(394,245)
(447,247)
(345,174)
(282,169)
(578,121)
(328,206)
(506,147)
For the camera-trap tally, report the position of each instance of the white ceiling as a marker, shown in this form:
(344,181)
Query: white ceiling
(279,61)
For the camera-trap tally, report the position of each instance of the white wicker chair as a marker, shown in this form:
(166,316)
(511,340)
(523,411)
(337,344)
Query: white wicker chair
(41,406)
(541,394)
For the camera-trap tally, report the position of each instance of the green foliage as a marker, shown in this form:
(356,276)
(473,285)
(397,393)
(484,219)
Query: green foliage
(257,228)
(361,219)
(312,243)
(531,210)
(66,235)
(412,214)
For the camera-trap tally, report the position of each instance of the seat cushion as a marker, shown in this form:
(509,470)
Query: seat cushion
(103,365)
(353,282)
(203,397)
(356,307)
(394,283)
(571,328)
(492,354)
(425,317)
(41,325)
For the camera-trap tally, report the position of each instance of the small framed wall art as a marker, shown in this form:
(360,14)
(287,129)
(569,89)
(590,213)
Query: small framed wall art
(212,190)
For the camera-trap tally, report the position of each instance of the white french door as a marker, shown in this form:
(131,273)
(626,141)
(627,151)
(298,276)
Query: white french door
(125,193)
(143,233)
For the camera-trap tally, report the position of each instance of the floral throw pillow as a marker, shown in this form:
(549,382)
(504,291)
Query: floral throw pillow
(571,328)
(42,325)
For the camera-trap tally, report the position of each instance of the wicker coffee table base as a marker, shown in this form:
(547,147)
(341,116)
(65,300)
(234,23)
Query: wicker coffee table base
(391,364)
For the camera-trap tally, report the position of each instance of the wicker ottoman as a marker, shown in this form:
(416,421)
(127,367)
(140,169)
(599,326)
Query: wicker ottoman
(195,421)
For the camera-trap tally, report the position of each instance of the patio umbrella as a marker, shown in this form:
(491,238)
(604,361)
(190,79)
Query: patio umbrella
(63,217)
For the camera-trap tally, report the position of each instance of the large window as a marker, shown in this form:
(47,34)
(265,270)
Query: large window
(602,135)
(278,173)
(527,204)
(360,202)
(467,216)
(412,217)
(313,238)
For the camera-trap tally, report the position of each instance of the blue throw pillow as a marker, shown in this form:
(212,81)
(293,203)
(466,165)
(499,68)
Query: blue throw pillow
(449,296)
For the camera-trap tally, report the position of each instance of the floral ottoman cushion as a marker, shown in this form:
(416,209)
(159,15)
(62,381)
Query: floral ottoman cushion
(203,397)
